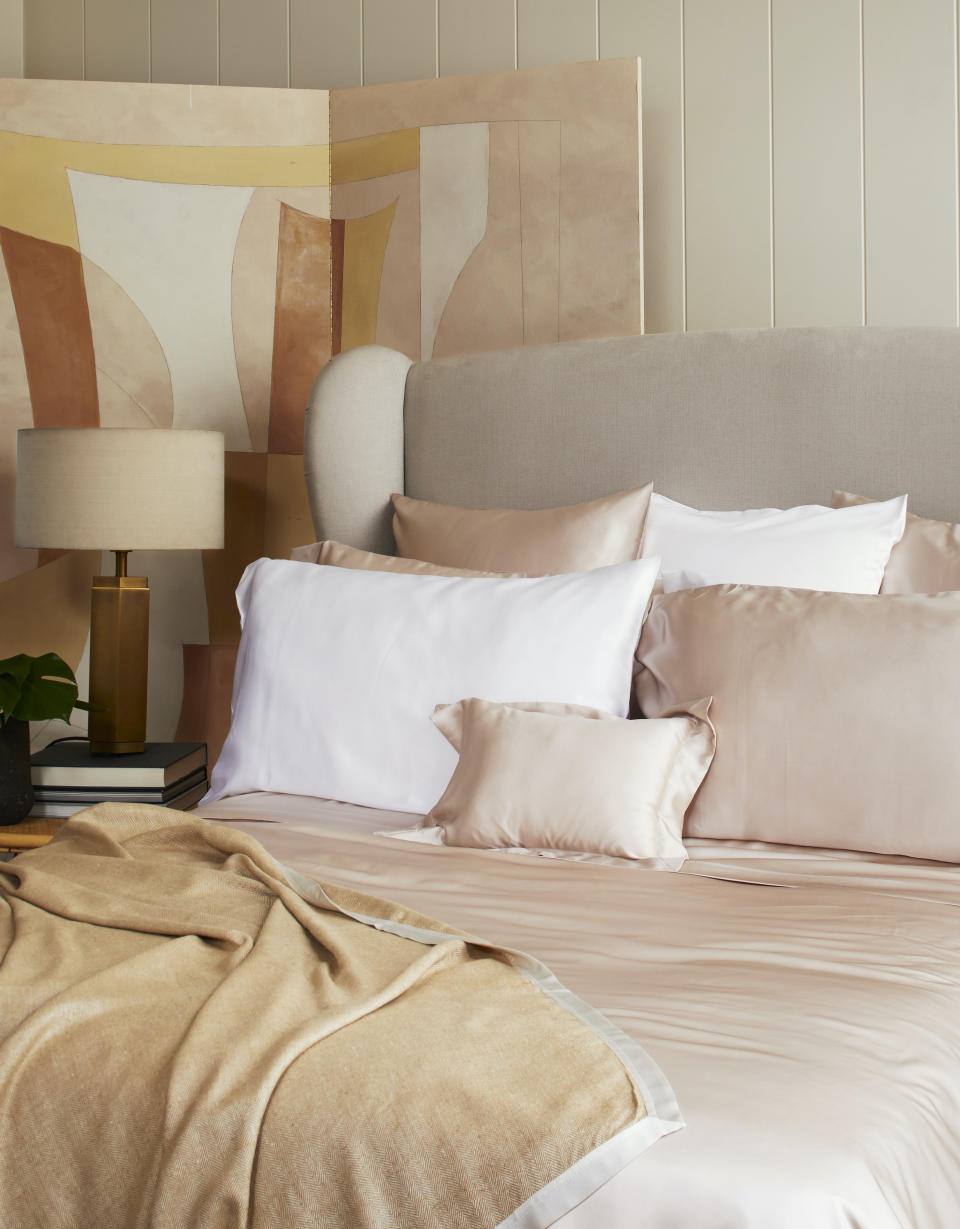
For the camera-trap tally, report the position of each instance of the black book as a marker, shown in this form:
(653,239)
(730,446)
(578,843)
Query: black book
(72,765)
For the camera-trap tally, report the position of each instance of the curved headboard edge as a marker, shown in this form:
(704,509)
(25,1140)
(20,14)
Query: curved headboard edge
(353,446)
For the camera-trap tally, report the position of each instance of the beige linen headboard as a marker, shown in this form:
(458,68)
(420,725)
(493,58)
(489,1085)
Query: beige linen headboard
(740,418)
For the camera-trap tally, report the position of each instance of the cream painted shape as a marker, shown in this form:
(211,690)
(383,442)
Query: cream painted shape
(454,173)
(170,247)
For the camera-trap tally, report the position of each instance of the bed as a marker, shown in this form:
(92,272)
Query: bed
(802,1001)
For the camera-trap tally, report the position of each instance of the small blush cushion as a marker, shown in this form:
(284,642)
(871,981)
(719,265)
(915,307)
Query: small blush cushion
(570,778)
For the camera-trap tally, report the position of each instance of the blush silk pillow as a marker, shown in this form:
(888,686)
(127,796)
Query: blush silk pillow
(925,560)
(808,547)
(547,542)
(836,714)
(339,670)
(338,555)
(568,779)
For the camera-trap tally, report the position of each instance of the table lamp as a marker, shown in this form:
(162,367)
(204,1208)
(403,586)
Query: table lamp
(119,489)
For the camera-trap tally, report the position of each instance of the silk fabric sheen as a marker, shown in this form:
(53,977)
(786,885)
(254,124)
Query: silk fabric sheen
(925,560)
(836,714)
(807,547)
(542,780)
(810,1028)
(338,670)
(546,542)
(338,555)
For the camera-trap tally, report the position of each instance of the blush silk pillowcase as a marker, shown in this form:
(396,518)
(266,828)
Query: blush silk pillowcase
(339,670)
(925,560)
(544,542)
(559,777)
(338,555)
(836,714)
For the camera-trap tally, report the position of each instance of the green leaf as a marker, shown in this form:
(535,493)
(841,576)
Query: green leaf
(18,668)
(37,688)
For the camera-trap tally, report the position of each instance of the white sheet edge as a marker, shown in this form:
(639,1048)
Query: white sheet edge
(419,835)
(584,1177)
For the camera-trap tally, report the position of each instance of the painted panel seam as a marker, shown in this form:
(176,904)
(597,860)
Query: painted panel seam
(683,167)
(863,188)
(956,145)
(773,281)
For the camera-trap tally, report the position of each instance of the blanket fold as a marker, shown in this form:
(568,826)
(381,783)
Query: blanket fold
(169,995)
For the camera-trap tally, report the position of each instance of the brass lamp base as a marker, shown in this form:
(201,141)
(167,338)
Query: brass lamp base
(119,628)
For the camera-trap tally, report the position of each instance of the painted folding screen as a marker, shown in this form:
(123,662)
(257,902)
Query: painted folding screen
(169,259)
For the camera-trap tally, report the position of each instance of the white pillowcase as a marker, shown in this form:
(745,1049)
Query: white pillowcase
(809,547)
(339,670)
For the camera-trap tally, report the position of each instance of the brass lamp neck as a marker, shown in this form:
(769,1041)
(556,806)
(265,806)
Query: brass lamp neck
(121,558)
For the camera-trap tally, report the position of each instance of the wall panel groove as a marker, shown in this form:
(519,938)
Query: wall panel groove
(727,120)
(11,38)
(909,162)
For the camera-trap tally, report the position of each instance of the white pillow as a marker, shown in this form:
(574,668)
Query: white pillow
(339,670)
(809,547)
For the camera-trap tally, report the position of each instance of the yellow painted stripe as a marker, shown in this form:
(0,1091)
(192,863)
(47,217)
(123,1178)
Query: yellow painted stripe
(364,247)
(371,157)
(35,193)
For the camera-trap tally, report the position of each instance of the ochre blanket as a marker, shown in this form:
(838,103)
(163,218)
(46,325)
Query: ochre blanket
(160,976)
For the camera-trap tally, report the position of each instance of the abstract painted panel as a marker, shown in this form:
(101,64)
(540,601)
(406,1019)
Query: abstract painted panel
(529,191)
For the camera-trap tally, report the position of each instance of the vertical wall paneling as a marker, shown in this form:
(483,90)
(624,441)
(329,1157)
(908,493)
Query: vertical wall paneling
(183,41)
(116,40)
(727,122)
(253,42)
(816,162)
(477,38)
(556,31)
(653,32)
(53,39)
(11,38)
(399,40)
(325,51)
(910,152)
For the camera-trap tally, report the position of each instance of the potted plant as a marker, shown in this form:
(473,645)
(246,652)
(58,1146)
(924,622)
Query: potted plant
(31,689)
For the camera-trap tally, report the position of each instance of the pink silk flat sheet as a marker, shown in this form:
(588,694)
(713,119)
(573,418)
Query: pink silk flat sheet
(804,1005)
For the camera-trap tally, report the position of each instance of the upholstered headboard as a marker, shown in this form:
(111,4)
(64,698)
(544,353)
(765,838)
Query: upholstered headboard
(741,418)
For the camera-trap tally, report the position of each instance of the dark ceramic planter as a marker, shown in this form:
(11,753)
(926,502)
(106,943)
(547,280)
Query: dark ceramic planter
(16,791)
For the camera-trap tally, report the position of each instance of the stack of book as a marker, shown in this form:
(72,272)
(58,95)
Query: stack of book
(67,777)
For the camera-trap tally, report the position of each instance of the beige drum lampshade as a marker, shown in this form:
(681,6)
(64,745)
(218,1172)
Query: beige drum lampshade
(121,489)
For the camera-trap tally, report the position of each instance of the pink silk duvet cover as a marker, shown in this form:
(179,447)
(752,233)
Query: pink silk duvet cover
(804,1005)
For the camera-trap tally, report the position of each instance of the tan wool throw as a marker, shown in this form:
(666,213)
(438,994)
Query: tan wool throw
(170,995)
